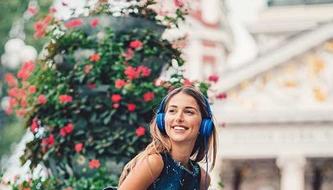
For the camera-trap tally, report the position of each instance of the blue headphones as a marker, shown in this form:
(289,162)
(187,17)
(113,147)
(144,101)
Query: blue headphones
(206,126)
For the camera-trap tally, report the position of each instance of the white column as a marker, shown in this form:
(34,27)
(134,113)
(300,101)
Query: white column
(292,172)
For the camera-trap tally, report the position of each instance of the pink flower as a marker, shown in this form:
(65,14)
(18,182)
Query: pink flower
(21,112)
(32,10)
(74,23)
(94,22)
(140,131)
(23,102)
(10,80)
(95,57)
(131,107)
(87,68)
(128,54)
(119,83)
(32,89)
(115,106)
(221,96)
(63,99)
(94,164)
(115,98)
(213,78)
(41,99)
(12,102)
(78,147)
(131,72)
(178,3)
(135,44)
(148,96)
(144,71)
(52,10)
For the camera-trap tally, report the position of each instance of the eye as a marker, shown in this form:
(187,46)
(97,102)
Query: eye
(190,112)
(171,110)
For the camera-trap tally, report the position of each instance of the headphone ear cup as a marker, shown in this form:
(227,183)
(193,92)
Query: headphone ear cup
(206,127)
(160,122)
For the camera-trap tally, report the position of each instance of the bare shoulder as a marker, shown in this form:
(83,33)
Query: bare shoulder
(144,173)
(155,164)
(204,179)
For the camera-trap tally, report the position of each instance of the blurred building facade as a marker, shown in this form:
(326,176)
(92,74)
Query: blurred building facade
(275,61)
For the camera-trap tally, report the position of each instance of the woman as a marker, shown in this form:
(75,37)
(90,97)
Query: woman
(183,134)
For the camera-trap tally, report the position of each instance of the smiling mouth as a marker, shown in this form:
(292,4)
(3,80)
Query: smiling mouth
(179,127)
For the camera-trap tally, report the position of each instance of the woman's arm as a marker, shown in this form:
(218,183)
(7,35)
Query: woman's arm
(204,182)
(143,174)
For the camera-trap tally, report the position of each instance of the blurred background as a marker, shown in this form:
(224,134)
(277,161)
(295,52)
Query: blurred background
(273,59)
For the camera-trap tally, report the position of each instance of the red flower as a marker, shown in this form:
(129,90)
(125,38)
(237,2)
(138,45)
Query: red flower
(187,82)
(221,95)
(34,126)
(87,68)
(63,99)
(95,57)
(148,96)
(135,44)
(39,28)
(51,140)
(32,89)
(119,83)
(213,78)
(78,147)
(128,54)
(10,80)
(131,107)
(140,131)
(94,22)
(91,85)
(144,71)
(116,98)
(131,72)
(17,93)
(68,129)
(94,164)
(41,99)
(26,69)
(74,23)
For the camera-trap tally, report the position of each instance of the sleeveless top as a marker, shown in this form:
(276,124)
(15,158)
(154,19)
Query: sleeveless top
(175,176)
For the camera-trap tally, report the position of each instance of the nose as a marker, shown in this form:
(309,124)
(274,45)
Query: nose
(179,117)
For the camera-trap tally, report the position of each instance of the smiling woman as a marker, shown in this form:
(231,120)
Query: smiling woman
(183,134)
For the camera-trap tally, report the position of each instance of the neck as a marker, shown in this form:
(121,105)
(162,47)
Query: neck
(181,152)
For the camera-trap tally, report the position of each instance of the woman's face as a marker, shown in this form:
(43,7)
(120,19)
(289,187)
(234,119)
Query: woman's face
(182,118)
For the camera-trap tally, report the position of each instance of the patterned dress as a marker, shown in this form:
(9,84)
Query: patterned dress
(175,176)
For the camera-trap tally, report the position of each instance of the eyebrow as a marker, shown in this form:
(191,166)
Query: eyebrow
(187,107)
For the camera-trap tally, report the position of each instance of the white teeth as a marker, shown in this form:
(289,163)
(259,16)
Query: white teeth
(179,128)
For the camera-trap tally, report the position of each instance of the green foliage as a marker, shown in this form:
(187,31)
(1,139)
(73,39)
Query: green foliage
(90,98)
(98,181)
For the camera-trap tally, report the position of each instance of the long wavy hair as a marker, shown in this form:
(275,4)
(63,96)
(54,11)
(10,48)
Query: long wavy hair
(161,142)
